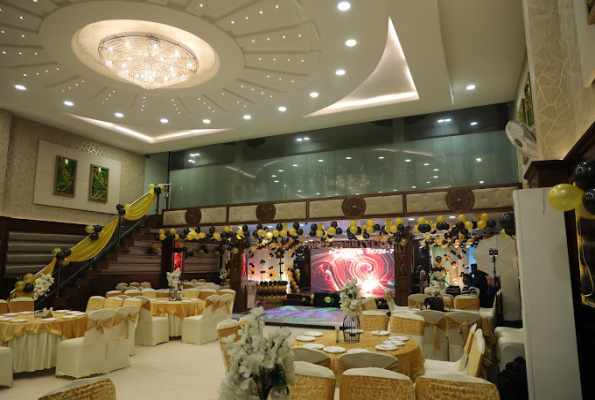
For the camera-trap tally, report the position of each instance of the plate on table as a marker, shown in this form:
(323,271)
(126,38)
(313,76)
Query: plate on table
(395,342)
(63,311)
(18,320)
(380,333)
(334,349)
(75,313)
(313,333)
(11,314)
(354,330)
(26,312)
(185,301)
(401,338)
(305,338)
(386,347)
(69,317)
(49,319)
(314,346)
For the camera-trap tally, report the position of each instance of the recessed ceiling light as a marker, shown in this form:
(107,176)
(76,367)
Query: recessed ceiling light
(206,121)
(276,181)
(381,158)
(299,139)
(306,138)
(473,123)
(407,160)
(440,121)
(350,42)
(428,182)
(344,5)
(317,194)
(447,120)
(192,161)
(411,219)
(295,165)
(426,164)
(470,86)
(273,176)
(282,109)
(280,170)
(413,187)
(164,120)
(452,217)
(340,72)
(348,158)
(320,160)
(247,117)
(20,87)
(314,94)
(68,103)
(435,176)
(119,115)
(478,159)
(436,169)
(481,182)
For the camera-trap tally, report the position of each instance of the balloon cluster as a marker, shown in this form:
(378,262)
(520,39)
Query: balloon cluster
(507,223)
(61,256)
(156,189)
(308,299)
(293,274)
(272,291)
(122,209)
(566,197)
(179,247)
(172,235)
(152,249)
(25,285)
(94,231)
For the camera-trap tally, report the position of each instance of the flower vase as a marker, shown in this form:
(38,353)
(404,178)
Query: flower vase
(351,329)
(434,303)
(173,294)
(265,383)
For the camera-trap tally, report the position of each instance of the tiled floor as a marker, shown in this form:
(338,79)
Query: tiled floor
(169,371)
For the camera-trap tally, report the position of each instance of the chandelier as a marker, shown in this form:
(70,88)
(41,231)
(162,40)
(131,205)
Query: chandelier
(146,59)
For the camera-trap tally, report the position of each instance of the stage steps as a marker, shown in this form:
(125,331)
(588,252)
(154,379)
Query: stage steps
(294,299)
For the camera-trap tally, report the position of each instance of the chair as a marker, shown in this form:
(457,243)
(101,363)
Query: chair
(145,285)
(369,304)
(20,304)
(113,303)
(428,291)
(113,293)
(190,293)
(367,359)
(92,388)
(202,280)
(312,382)
(317,357)
(374,320)
(150,330)
(447,386)
(95,303)
(216,288)
(122,297)
(162,293)
(375,383)
(504,330)
(510,346)
(118,347)
(86,355)
(3,307)
(199,284)
(122,284)
(466,302)
(449,301)
(224,309)
(224,329)
(138,303)
(416,301)
(390,301)
(134,284)
(132,293)
(454,366)
(187,285)
(229,291)
(201,329)
(435,343)
(408,324)
(5,366)
(206,293)
(457,326)
(121,288)
(149,293)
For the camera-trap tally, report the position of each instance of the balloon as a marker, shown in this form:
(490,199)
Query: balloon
(293,232)
(56,250)
(485,217)
(399,221)
(421,220)
(161,231)
(64,262)
(403,242)
(509,232)
(507,221)
(172,231)
(416,228)
(477,217)
(19,285)
(565,197)
(353,229)
(269,235)
(28,278)
(460,225)
(589,200)
(235,250)
(370,230)
(331,231)
(283,233)
(428,236)
(89,229)
(503,233)
(227,229)
(461,218)
(319,233)
(275,233)
(580,210)
(28,288)
(481,224)
(440,219)
(151,187)
(388,222)
(312,296)
(327,299)
(162,236)
(393,228)
(94,236)
(353,223)
(584,175)
(67,252)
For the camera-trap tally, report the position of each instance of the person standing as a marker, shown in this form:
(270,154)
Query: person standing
(480,281)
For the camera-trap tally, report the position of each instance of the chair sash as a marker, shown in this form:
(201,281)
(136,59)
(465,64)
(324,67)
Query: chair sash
(407,326)
(388,295)
(470,303)
(312,387)
(113,293)
(119,318)
(100,325)
(360,387)
(463,327)
(440,324)
(217,304)
(369,305)
(147,306)
(415,304)
(431,389)
(95,304)
(343,366)
(324,363)
(103,389)
(223,333)
(374,322)
(476,362)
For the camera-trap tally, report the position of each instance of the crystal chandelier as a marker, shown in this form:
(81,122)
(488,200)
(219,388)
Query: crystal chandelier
(146,59)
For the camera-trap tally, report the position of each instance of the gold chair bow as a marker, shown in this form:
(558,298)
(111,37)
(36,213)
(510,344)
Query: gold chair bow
(414,304)
(127,319)
(463,327)
(217,304)
(101,325)
(324,363)
(440,324)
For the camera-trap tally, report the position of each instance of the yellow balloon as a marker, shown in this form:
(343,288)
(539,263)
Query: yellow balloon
(565,197)
(370,222)
(172,231)
(429,221)
(415,229)
(20,285)
(151,187)
(353,229)
(353,223)
(399,221)
(261,233)
(485,217)
(364,227)
(161,231)
(440,219)
(393,229)
(461,218)
(319,233)
(283,233)
(275,233)
(177,237)
(321,227)
(580,210)
(28,278)
(428,236)
(162,236)
(481,224)
(65,262)
(388,222)
(89,229)
(201,235)
(503,234)
(477,217)
(269,235)
(421,220)
(370,230)
(217,236)
(331,231)
(235,250)
(292,232)
(240,233)
(56,250)
(468,225)
(403,242)
(227,229)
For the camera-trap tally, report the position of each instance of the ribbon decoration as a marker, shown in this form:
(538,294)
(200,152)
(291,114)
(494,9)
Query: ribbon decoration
(440,324)
(101,325)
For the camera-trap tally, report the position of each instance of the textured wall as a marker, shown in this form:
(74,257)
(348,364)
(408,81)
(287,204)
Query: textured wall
(21,164)
(5,118)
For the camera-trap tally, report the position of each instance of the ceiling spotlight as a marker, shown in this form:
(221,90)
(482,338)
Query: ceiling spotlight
(68,103)
(247,117)
(426,164)
(282,109)
(447,120)
(119,115)
(299,139)
(295,165)
(192,161)
(348,158)
(344,6)
(481,182)
(164,120)
(407,160)
(473,123)
(428,182)
(435,176)
(470,86)
(273,176)
(320,160)
(478,159)
(413,187)
(280,170)
(314,95)
(20,87)
(440,121)
(452,217)
(381,158)
(436,169)
(206,121)
(340,72)
(350,42)
(412,219)
(318,194)
(276,181)
(306,138)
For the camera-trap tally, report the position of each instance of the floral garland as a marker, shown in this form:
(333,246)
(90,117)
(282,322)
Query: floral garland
(173,279)
(438,283)
(351,301)
(258,363)
(42,285)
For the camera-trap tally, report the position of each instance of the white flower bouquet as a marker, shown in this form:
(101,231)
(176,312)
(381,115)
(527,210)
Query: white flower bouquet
(173,279)
(42,285)
(259,364)
(438,283)
(351,301)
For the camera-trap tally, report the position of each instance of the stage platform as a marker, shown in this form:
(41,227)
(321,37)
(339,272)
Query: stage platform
(305,316)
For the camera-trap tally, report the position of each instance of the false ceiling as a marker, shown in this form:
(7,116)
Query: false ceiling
(275,66)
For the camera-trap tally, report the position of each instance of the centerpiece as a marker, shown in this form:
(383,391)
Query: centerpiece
(438,289)
(173,281)
(42,285)
(351,305)
(259,365)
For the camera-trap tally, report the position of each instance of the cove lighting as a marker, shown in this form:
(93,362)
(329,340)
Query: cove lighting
(164,120)
(206,121)
(447,120)
(314,95)
(119,115)
(470,86)
(247,117)
(340,72)
(344,6)
(68,103)
(282,109)
(350,42)
(20,87)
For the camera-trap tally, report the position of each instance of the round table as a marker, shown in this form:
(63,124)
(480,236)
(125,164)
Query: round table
(35,343)
(176,311)
(410,356)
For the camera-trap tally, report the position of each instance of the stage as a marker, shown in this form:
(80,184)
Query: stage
(305,316)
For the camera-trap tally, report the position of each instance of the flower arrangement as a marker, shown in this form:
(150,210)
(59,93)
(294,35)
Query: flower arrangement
(173,279)
(351,301)
(438,283)
(42,285)
(258,363)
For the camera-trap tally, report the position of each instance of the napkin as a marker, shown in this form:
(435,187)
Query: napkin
(48,313)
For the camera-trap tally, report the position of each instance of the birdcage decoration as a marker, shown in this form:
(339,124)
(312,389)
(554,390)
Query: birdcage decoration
(351,329)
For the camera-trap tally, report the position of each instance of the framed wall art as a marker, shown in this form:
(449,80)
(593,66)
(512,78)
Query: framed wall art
(65,176)
(98,183)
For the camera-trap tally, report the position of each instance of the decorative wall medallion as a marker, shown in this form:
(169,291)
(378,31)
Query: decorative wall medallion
(460,200)
(354,207)
(193,216)
(265,212)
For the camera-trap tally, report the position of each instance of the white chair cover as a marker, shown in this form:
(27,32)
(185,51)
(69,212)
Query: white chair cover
(138,303)
(453,366)
(416,301)
(435,326)
(113,303)
(455,333)
(216,288)
(201,329)
(229,291)
(145,285)
(317,357)
(3,306)
(150,331)
(149,293)
(5,366)
(86,356)
(118,347)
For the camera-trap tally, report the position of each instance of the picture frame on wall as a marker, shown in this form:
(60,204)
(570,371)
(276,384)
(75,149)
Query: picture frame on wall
(99,183)
(590,12)
(529,103)
(521,114)
(65,176)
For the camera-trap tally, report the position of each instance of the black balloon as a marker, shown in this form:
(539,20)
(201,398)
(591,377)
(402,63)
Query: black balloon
(94,236)
(402,228)
(339,231)
(313,227)
(191,254)
(279,226)
(312,233)
(186,231)
(245,228)
(119,206)
(28,288)
(259,226)
(67,252)
(366,235)
(121,211)
(296,225)
(460,225)
(98,228)
(212,229)
(376,227)
(584,175)
(507,219)
(491,224)
(60,256)
(300,231)
(185,249)
(509,232)
(589,201)
(464,231)
(156,236)
(454,230)
(197,229)
(157,190)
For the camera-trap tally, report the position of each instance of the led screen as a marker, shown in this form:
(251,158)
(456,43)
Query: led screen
(374,270)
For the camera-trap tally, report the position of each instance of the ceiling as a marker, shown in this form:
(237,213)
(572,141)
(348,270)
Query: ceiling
(411,57)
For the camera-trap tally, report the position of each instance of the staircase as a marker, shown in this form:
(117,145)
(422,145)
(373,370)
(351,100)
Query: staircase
(114,265)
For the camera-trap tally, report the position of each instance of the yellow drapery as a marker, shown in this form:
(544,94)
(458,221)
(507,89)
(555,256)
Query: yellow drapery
(141,207)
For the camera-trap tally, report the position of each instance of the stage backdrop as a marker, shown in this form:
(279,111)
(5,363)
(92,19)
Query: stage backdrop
(374,270)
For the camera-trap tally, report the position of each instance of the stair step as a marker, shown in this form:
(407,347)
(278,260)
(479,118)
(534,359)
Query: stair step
(70,291)
(82,282)
(111,256)
(92,273)
(101,264)
(59,302)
